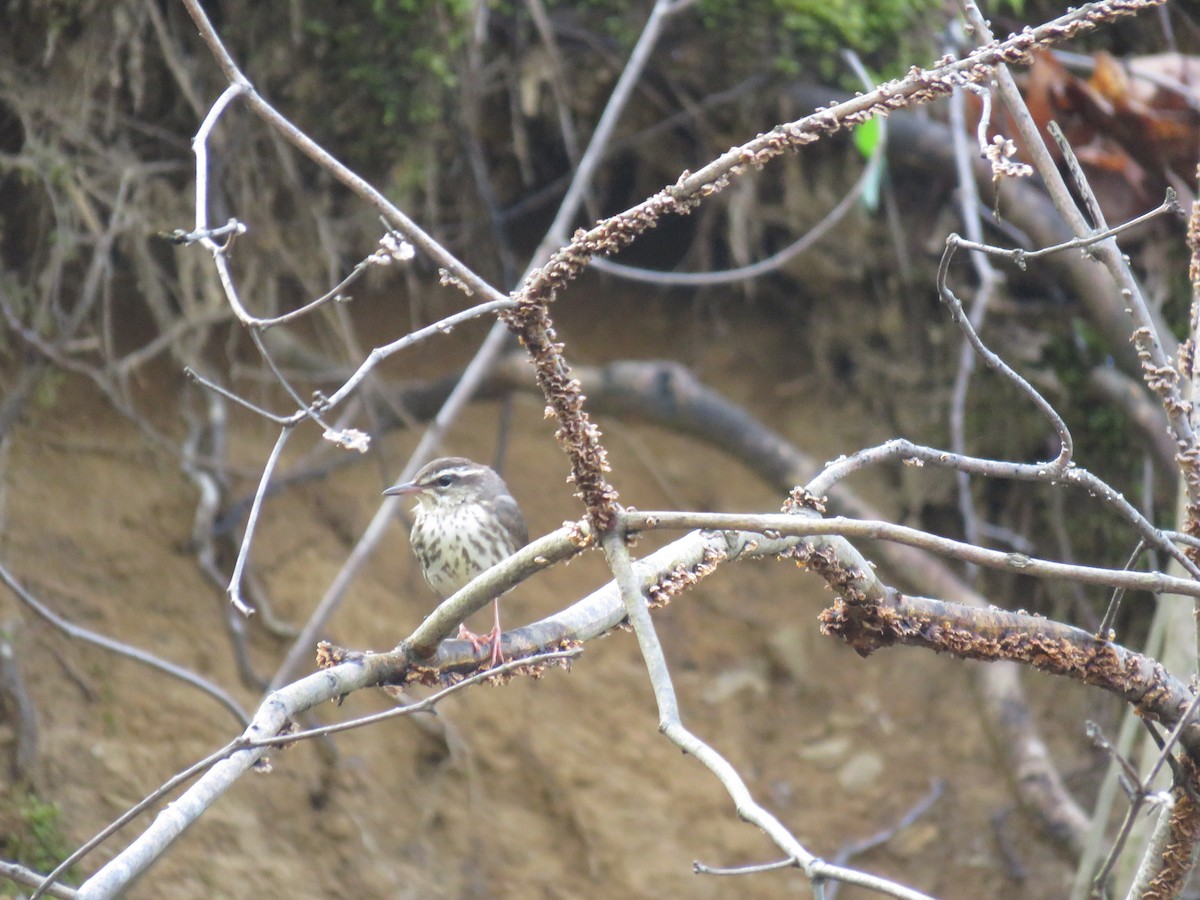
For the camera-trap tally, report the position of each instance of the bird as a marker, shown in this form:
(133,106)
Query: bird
(465,522)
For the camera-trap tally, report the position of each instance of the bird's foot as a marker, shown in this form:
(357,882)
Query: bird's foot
(479,641)
(497,647)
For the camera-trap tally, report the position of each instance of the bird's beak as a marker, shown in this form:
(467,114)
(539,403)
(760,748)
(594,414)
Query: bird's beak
(403,489)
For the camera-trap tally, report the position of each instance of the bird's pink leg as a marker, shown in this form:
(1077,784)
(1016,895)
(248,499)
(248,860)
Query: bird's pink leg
(497,649)
(479,641)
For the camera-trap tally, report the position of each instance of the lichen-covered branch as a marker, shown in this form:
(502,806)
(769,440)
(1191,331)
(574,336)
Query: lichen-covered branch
(994,635)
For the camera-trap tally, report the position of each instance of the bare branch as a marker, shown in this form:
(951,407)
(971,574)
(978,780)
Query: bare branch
(74,631)
(22,875)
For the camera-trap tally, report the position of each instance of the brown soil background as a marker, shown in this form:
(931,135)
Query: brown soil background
(556,788)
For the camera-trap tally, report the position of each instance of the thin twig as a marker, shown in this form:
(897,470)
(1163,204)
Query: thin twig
(914,454)
(442,326)
(670,724)
(75,631)
(989,278)
(1021,257)
(785,524)
(309,410)
(236,88)
(857,848)
(1066,444)
(513,666)
(1105,629)
(21,875)
(210,430)
(702,869)
(17,706)
(129,815)
(763,266)
(241,401)
(235,580)
(1141,795)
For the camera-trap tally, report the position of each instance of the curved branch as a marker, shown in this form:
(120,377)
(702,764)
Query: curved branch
(991,635)
(70,629)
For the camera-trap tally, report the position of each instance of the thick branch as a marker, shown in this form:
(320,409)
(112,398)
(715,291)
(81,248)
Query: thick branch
(993,635)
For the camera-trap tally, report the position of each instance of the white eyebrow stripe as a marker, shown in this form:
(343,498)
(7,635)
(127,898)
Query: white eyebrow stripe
(457,471)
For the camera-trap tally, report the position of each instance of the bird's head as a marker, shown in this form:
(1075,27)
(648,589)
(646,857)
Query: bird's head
(449,482)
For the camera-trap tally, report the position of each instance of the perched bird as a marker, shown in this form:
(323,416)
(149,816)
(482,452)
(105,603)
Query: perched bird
(466,522)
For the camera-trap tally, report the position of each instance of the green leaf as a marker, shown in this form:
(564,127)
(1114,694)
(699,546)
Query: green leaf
(867,137)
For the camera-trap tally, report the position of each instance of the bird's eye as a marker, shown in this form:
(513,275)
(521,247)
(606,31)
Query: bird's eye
(446,480)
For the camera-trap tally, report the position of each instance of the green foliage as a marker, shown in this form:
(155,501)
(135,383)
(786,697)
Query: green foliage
(32,835)
(806,35)
(392,69)
(394,66)
(867,136)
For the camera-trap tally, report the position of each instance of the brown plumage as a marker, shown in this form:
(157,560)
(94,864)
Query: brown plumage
(466,522)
